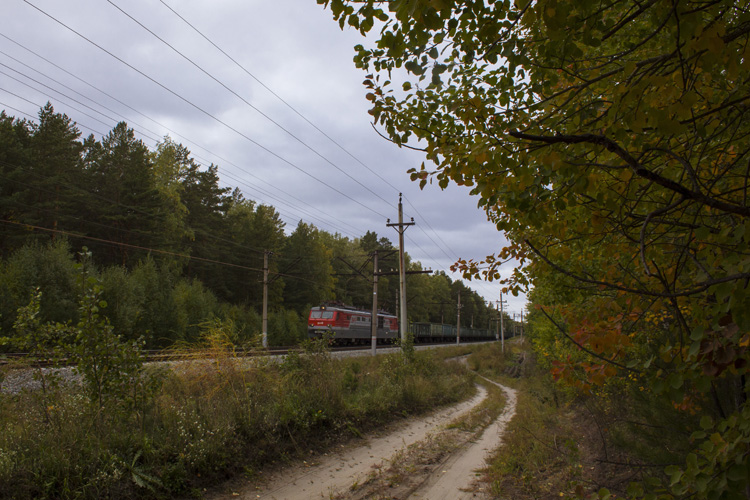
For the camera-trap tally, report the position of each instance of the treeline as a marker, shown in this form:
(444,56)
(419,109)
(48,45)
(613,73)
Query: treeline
(172,249)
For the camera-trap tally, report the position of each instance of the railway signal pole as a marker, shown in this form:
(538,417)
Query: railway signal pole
(401,228)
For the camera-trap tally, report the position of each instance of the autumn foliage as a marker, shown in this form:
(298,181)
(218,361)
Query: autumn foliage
(610,143)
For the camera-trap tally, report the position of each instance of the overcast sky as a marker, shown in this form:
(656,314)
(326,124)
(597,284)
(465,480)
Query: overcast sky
(287,122)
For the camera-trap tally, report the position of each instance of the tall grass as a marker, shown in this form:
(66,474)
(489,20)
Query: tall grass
(207,421)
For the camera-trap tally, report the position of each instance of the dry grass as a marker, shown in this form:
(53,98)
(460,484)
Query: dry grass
(209,422)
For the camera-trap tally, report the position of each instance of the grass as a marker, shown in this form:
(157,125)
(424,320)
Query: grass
(561,444)
(539,457)
(407,469)
(209,422)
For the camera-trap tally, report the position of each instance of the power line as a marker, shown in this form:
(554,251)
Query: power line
(358,160)
(213,117)
(154,250)
(38,106)
(427,223)
(50,97)
(151,138)
(105,226)
(80,94)
(264,115)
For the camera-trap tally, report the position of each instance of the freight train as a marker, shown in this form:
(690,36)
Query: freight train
(348,325)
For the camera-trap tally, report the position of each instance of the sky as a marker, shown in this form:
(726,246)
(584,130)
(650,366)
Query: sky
(265,90)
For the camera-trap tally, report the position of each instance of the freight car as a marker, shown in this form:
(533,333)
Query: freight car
(435,333)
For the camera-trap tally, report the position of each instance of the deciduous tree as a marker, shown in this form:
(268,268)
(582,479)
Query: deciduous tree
(610,142)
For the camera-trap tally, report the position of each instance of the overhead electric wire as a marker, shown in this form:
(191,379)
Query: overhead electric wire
(215,118)
(321,131)
(122,205)
(53,90)
(224,169)
(226,174)
(151,138)
(38,106)
(154,250)
(16,109)
(264,115)
(80,94)
(169,90)
(50,97)
(280,98)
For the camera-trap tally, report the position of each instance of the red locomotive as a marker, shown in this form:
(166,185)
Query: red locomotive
(350,325)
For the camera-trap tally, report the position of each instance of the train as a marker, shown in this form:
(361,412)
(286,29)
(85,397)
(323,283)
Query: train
(349,325)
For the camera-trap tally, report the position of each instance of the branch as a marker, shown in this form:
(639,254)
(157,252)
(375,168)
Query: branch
(584,349)
(394,142)
(702,287)
(655,213)
(637,168)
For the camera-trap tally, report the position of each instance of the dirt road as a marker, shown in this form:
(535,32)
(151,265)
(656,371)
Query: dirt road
(453,480)
(337,475)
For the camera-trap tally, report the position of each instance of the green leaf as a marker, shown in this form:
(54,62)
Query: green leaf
(738,472)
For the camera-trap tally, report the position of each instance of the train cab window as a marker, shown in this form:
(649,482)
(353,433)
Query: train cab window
(327,314)
(380,321)
(315,314)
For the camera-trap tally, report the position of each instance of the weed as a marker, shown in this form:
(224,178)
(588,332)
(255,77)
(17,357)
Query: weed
(215,416)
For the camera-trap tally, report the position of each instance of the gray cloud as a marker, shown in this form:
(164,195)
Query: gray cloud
(293,47)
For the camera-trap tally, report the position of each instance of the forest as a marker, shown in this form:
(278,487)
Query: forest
(172,250)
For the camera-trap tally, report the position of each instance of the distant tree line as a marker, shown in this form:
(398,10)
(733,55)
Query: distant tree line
(172,249)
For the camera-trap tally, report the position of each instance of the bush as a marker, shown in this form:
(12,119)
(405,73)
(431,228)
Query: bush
(51,269)
(210,419)
(286,328)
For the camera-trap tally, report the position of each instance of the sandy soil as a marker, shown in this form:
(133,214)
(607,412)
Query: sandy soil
(335,474)
(455,477)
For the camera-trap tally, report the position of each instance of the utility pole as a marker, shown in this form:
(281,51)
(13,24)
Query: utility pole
(497,325)
(374,317)
(502,326)
(264,323)
(401,228)
(458,319)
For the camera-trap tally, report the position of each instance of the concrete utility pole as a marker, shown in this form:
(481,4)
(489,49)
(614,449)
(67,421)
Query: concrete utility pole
(458,319)
(401,228)
(264,323)
(374,317)
(502,326)
(497,325)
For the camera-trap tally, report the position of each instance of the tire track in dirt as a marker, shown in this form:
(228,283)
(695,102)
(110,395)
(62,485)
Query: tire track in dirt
(338,471)
(455,478)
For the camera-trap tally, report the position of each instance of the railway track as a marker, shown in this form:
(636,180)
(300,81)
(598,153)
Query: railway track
(25,360)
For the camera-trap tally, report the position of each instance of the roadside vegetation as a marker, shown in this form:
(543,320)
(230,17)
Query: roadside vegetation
(609,143)
(123,430)
(565,444)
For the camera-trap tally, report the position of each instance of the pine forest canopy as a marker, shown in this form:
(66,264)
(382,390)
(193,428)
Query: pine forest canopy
(610,142)
(174,250)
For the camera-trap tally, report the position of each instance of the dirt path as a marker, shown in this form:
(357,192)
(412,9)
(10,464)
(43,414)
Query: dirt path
(335,473)
(453,480)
